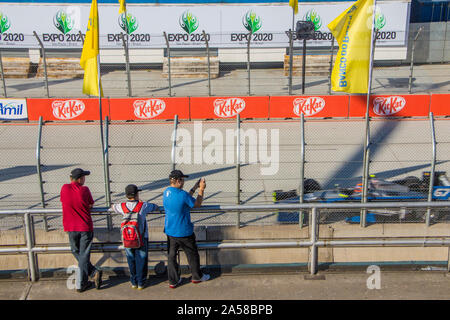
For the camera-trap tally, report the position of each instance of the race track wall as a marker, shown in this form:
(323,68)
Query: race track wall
(202,108)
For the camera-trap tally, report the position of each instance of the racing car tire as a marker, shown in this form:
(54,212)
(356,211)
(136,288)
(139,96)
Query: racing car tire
(311,185)
(417,187)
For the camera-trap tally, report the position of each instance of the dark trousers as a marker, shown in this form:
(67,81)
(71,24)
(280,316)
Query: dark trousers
(80,244)
(138,263)
(189,247)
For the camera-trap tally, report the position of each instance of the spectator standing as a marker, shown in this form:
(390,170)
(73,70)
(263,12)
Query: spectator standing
(137,257)
(77,202)
(179,228)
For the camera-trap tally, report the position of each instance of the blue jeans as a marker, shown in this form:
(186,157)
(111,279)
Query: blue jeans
(138,263)
(80,244)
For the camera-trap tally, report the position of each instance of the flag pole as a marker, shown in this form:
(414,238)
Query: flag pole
(102,139)
(372,49)
(291,49)
(98,84)
(367,138)
(100,100)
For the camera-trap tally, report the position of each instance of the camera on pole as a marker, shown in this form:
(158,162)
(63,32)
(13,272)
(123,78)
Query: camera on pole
(304,30)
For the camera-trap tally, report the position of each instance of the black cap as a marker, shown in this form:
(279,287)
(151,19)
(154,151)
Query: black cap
(78,173)
(131,190)
(177,174)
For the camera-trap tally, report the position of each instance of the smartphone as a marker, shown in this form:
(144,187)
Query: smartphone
(197,184)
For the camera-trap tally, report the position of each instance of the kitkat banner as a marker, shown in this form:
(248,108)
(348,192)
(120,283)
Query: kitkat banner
(149,108)
(440,104)
(310,106)
(229,107)
(390,105)
(66,109)
(254,107)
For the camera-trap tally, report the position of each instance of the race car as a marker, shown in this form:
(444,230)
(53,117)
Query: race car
(408,189)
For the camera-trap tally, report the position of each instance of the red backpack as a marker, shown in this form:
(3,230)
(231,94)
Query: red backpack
(131,237)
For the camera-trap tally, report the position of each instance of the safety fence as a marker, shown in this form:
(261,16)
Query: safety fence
(313,211)
(243,161)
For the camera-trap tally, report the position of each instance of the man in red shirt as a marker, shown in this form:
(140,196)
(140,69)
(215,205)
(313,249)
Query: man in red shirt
(77,202)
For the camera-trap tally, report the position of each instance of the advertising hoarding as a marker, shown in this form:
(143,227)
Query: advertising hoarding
(226,26)
(13,109)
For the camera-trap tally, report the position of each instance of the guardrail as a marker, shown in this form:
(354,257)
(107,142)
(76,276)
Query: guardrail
(313,243)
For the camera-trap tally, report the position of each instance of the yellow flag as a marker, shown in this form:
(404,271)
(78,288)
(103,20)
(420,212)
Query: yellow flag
(294,5)
(352,30)
(122,7)
(89,55)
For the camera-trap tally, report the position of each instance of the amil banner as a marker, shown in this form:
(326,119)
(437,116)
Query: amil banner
(13,109)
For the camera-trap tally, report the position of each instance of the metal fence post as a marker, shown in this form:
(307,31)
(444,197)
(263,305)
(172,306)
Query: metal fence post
(174,142)
(39,169)
(313,254)
(209,63)
(127,62)
(365,172)
(304,66)
(248,60)
(3,75)
(412,59)
(168,63)
(291,48)
(32,259)
(445,34)
(302,168)
(45,62)
(366,160)
(331,65)
(238,168)
(106,172)
(433,166)
(448,260)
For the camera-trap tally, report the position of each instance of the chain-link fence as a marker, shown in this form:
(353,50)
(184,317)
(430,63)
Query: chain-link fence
(273,156)
(214,70)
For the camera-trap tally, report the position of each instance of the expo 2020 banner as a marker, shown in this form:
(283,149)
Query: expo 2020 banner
(224,26)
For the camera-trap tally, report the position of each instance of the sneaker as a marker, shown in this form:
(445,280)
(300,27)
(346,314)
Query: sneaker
(84,287)
(134,286)
(140,288)
(98,279)
(205,277)
(173,286)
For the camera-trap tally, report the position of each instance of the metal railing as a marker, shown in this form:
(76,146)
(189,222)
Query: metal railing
(313,243)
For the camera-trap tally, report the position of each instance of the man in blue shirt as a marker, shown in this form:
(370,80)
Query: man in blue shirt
(179,228)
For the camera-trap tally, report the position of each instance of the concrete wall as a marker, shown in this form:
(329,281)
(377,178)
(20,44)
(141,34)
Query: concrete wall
(248,256)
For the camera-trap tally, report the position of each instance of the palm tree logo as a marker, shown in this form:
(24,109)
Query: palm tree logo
(251,21)
(188,22)
(63,22)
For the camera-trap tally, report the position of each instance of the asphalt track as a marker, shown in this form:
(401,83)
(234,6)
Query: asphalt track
(426,78)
